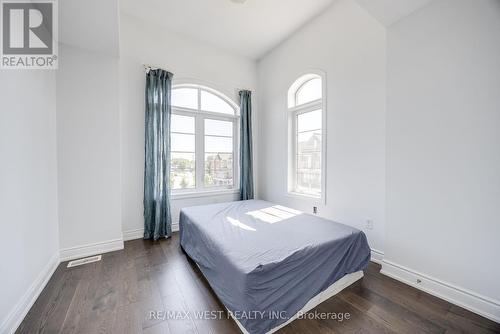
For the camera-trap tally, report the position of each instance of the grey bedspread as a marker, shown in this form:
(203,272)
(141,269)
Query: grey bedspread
(265,261)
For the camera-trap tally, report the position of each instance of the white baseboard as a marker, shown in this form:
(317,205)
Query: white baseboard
(139,233)
(133,234)
(467,299)
(377,256)
(16,316)
(91,249)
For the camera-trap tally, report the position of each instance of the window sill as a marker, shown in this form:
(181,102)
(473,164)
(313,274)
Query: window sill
(204,193)
(293,194)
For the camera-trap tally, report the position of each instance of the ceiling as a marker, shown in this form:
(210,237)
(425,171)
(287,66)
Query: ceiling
(389,12)
(250,29)
(253,28)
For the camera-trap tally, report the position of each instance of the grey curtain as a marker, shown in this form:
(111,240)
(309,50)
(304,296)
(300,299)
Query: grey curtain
(246,167)
(157,214)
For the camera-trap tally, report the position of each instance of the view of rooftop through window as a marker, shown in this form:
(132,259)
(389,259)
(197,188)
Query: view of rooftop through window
(203,142)
(305,102)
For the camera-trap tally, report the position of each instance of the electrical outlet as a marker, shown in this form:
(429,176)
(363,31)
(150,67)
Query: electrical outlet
(369,224)
(315,210)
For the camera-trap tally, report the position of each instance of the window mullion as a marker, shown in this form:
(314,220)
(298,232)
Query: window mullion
(312,106)
(199,99)
(200,152)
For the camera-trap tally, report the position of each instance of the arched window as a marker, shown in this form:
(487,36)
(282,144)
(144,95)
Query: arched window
(204,132)
(306,115)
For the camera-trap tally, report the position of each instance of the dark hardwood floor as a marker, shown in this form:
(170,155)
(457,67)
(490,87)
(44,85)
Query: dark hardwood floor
(117,294)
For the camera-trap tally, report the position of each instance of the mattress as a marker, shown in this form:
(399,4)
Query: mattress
(331,291)
(264,261)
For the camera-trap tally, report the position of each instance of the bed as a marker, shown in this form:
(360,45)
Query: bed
(267,262)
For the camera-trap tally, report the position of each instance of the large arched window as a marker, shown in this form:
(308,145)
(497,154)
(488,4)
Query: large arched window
(204,139)
(306,115)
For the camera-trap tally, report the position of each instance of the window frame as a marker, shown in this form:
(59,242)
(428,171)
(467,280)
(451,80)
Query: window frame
(299,89)
(292,112)
(200,190)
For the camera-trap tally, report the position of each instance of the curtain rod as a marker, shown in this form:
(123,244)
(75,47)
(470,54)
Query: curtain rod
(148,67)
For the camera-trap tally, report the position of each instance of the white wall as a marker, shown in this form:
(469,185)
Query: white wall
(88,130)
(91,25)
(189,60)
(28,189)
(349,45)
(443,153)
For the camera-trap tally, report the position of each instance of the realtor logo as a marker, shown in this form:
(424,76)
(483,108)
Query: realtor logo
(29,34)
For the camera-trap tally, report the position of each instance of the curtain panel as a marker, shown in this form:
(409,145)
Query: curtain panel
(246,165)
(157,212)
